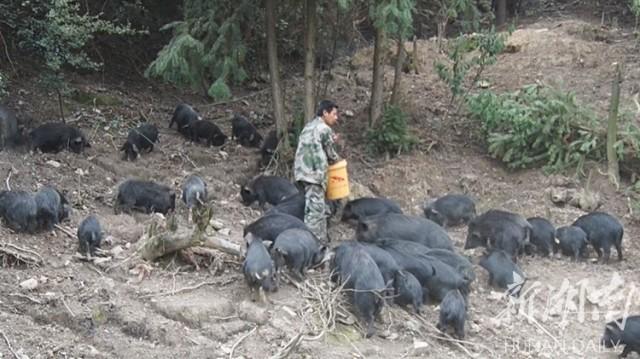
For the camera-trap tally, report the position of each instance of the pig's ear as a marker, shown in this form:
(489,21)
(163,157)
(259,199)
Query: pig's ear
(249,237)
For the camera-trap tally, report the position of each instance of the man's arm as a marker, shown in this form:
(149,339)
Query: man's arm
(330,147)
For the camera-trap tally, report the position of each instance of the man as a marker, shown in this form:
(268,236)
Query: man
(316,150)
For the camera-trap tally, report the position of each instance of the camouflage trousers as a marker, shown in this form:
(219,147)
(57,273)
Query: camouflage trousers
(315,215)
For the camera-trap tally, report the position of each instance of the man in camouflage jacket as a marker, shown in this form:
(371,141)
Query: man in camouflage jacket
(316,150)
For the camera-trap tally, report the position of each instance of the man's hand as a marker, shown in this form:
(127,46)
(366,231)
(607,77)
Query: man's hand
(336,137)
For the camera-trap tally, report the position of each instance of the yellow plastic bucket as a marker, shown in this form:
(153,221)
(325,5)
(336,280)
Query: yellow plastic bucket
(338,182)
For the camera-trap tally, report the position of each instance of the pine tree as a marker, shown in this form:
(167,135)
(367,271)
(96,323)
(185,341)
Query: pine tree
(207,51)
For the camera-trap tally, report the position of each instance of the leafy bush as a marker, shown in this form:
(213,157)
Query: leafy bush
(391,135)
(468,52)
(537,125)
(58,32)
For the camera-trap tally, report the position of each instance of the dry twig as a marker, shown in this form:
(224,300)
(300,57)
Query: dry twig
(21,254)
(95,269)
(363,160)
(64,302)
(192,340)
(284,352)
(457,342)
(323,301)
(539,326)
(181,290)
(225,318)
(353,345)
(235,345)
(65,231)
(121,263)
(185,157)
(318,315)
(25,297)
(6,52)
(237,99)
(9,345)
(8,178)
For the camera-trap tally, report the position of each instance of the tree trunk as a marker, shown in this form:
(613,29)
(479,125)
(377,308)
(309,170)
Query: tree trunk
(60,105)
(204,85)
(276,88)
(377,86)
(442,28)
(416,58)
(309,61)
(397,76)
(612,128)
(323,81)
(160,244)
(501,12)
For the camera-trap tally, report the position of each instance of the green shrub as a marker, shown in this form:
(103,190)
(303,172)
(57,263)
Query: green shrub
(537,125)
(466,53)
(59,33)
(391,135)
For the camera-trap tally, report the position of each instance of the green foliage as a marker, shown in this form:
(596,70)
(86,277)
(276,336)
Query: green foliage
(464,11)
(219,89)
(464,16)
(298,121)
(344,4)
(296,127)
(391,134)
(395,16)
(465,53)
(178,62)
(627,145)
(537,125)
(55,81)
(207,50)
(635,7)
(59,33)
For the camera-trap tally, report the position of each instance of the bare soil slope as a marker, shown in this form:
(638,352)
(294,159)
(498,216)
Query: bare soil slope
(168,309)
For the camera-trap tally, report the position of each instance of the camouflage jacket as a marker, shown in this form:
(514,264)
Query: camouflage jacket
(315,150)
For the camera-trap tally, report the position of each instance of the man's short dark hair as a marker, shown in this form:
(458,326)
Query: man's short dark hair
(325,105)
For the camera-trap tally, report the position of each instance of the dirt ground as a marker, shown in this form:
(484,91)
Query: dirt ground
(126,308)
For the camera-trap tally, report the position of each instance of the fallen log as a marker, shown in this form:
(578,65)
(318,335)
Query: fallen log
(157,245)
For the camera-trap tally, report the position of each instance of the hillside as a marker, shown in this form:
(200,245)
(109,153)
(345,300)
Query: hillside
(126,308)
